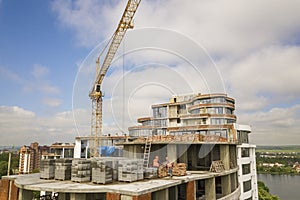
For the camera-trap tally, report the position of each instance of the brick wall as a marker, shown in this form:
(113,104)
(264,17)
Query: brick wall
(4,190)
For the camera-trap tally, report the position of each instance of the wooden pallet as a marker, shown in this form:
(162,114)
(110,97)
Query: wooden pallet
(217,166)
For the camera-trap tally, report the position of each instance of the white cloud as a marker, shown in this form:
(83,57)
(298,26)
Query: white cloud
(266,77)
(19,126)
(39,71)
(274,126)
(223,27)
(254,43)
(52,102)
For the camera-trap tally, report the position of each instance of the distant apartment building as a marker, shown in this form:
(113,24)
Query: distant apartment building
(60,150)
(29,158)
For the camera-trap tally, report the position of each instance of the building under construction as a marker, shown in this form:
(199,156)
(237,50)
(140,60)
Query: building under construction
(196,132)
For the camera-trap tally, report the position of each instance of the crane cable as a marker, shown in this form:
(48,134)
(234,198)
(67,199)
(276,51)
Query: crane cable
(123,77)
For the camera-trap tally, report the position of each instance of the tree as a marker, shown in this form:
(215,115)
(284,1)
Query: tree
(263,192)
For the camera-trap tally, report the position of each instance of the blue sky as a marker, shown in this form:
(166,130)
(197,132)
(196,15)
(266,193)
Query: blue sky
(255,46)
(32,38)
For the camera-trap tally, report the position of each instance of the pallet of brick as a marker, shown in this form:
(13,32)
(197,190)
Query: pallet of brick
(140,169)
(179,169)
(115,165)
(130,170)
(102,171)
(177,138)
(63,169)
(81,170)
(162,171)
(150,172)
(47,169)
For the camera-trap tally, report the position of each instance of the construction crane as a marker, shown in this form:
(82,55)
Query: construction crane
(96,93)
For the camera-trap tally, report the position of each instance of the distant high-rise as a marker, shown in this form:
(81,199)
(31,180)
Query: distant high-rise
(29,158)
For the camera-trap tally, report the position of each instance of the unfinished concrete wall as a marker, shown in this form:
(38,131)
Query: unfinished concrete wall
(225,156)
(210,189)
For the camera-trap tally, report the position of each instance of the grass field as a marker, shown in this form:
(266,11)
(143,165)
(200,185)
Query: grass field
(278,149)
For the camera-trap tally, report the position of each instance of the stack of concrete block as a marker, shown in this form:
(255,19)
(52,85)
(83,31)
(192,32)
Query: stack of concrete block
(81,170)
(102,171)
(130,170)
(47,169)
(63,169)
(140,169)
(115,165)
(150,172)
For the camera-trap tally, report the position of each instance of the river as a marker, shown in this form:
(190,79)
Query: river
(286,187)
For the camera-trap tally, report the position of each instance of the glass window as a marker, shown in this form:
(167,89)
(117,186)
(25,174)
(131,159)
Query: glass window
(247,186)
(246,169)
(245,152)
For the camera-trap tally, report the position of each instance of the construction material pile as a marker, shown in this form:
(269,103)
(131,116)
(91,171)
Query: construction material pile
(47,168)
(179,169)
(102,171)
(150,172)
(183,138)
(81,170)
(162,171)
(130,170)
(63,169)
(217,166)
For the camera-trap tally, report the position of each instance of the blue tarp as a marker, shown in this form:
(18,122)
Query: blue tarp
(107,150)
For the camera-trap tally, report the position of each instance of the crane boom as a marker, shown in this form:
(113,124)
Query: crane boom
(96,93)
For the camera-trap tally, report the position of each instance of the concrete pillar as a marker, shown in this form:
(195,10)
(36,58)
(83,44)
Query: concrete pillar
(210,189)
(172,152)
(25,194)
(226,185)
(194,156)
(161,194)
(77,196)
(126,197)
(190,190)
(224,156)
(62,196)
(233,181)
(182,153)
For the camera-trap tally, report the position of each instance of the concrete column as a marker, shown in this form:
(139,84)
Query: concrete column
(233,181)
(182,153)
(125,197)
(172,152)
(77,196)
(194,156)
(62,196)
(190,190)
(25,194)
(161,194)
(224,156)
(210,189)
(226,185)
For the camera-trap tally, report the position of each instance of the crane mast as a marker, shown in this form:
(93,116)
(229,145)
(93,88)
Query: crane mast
(96,93)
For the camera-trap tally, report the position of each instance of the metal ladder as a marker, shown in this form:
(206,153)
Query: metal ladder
(147,151)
